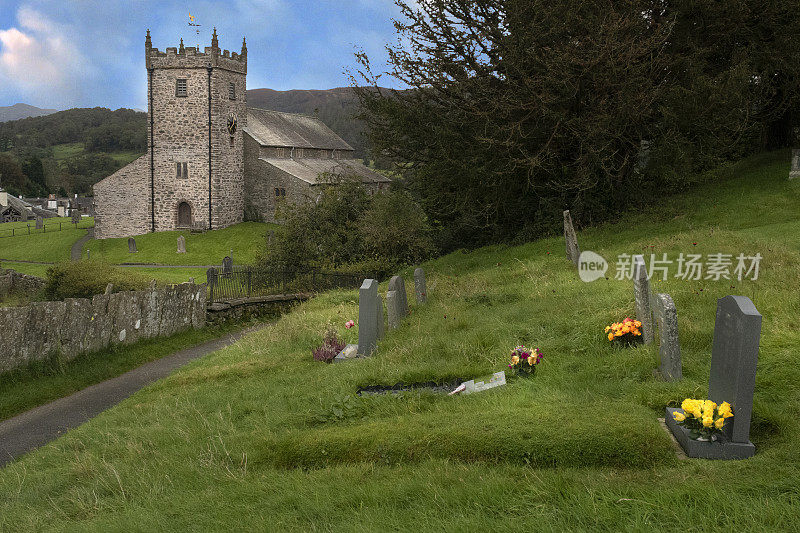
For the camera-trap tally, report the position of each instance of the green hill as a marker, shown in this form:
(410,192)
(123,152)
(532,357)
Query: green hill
(258,436)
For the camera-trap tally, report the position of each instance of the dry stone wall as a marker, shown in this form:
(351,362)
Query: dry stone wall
(122,201)
(15,282)
(80,325)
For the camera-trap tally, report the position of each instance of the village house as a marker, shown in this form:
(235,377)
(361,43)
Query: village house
(210,158)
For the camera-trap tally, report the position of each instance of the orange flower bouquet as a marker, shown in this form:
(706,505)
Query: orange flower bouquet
(626,333)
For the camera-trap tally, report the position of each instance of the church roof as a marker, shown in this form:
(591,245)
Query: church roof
(290,130)
(313,170)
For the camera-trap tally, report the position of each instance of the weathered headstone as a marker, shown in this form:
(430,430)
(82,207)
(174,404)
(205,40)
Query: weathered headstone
(393,309)
(350,351)
(76,216)
(39,222)
(669,347)
(132,245)
(794,172)
(734,356)
(420,288)
(181,244)
(379,315)
(641,293)
(109,289)
(227,265)
(367,317)
(573,251)
(397,284)
(271,236)
(88,254)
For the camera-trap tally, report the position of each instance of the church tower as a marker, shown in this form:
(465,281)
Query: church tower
(196,111)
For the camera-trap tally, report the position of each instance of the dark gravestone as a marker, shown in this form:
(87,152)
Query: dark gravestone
(734,356)
(211,281)
(132,245)
(397,284)
(794,172)
(641,294)
(76,216)
(227,265)
(39,222)
(181,244)
(573,251)
(367,317)
(379,316)
(669,347)
(270,236)
(420,288)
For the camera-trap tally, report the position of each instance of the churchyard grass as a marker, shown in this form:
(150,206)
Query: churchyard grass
(246,240)
(258,436)
(46,247)
(45,381)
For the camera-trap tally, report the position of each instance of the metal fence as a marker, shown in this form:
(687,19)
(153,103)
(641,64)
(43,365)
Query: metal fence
(238,282)
(31,229)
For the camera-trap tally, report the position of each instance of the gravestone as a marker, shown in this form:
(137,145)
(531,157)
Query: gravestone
(271,236)
(498,380)
(641,293)
(367,317)
(39,222)
(794,172)
(379,316)
(734,356)
(393,309)
(350,351)
(398,285)
(132,245)
(573,251)
(227,265)
(76,216)
(181,244)
(420,288)
(669,347)
(88,254)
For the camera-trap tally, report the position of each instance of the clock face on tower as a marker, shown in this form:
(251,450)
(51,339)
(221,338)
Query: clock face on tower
(232,124)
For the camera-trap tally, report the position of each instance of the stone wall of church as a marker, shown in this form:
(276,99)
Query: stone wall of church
(227,151)
(122,201)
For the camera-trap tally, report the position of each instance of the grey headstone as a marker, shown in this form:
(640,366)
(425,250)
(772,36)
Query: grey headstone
(397,284)
(641,292)
(348,352)
(76,216)
(270,236)
(132,245)
(393,309)
(227,265)
(181,244)
(573,251)
(88,254)
(379,315)
(109,288)
(734,357)
(39,222)
(669,347)
(367,317)
(794,172)
(420,288)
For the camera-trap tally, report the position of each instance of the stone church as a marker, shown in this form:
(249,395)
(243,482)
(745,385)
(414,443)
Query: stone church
(210,158)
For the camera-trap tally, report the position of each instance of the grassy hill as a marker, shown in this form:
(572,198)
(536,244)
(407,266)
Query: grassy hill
(258,436)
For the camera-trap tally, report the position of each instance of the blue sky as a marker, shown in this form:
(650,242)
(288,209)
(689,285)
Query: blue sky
(87,53)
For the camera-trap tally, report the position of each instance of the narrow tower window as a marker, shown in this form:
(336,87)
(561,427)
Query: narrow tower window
(181,170)
(232,91)
(180,87)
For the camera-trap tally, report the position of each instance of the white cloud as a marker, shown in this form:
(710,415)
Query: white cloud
(41,61)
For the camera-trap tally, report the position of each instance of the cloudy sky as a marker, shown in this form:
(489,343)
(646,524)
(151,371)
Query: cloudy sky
(86,53)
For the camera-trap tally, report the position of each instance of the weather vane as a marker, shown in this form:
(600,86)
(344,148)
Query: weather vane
(196,27)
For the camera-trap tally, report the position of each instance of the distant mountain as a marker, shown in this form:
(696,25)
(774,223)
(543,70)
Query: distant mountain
(335,107)
(18,111)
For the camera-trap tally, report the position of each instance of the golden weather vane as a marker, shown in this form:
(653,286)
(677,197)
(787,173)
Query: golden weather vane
(196,27)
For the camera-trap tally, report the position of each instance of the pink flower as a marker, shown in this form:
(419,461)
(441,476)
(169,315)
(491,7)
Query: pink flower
(349,324)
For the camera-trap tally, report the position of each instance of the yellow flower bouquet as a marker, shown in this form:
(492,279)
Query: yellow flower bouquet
(703,418)
(625,333)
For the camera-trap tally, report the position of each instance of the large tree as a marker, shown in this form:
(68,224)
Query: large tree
(518,108)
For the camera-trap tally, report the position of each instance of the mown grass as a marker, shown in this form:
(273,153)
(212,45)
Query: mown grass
(45,381)
(246,240)
(260,437)
(45,247)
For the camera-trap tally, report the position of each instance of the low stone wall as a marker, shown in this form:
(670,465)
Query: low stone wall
(80,325)
(12,281)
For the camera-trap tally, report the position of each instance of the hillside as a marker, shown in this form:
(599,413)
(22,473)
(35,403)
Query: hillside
(272,439)
(19,111)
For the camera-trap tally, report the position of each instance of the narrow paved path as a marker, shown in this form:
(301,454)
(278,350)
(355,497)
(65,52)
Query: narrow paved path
(37,427)
(77,248)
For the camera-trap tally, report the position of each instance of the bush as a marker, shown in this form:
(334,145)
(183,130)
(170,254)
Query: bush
(84,279)
(330,348)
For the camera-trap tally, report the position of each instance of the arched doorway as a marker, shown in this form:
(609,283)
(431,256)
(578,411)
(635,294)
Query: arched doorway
(184,215)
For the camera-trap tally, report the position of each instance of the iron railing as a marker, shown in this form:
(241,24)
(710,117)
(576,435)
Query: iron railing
(237,282)
(31,229)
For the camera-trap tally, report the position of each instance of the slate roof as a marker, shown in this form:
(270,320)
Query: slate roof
(29,210)
(310,170)
(273,128)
